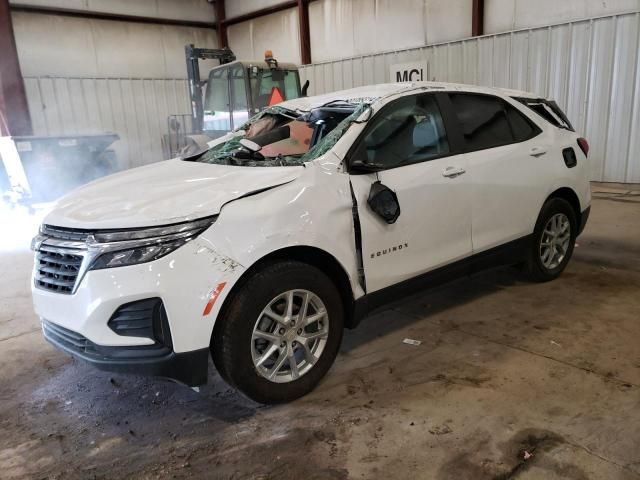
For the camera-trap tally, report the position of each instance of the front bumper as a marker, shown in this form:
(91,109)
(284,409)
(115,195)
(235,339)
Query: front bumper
(159,360)
(184,281)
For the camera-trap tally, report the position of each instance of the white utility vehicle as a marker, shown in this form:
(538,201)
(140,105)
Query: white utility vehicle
(261,250)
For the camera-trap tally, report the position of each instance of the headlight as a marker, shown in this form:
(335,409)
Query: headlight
(118,248)
(134,256)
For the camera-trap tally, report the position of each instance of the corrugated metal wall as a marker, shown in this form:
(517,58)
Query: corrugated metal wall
(98,76)
(277,32)
(347,28)
(591,67)
(181,9)
(134,108)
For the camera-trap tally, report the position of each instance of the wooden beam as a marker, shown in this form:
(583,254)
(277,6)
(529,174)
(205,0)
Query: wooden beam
(223,40)
(477,18)
(15,119)
(305,36)
(71,12)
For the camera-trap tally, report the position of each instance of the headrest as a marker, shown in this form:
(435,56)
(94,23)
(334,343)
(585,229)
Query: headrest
(425,135)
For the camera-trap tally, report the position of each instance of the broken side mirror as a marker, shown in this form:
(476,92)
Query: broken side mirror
(384,202)
(305,87)
(358,162)
(358,166)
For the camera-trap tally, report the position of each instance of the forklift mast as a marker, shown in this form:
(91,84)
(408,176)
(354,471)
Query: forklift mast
(236,91)
(193,55)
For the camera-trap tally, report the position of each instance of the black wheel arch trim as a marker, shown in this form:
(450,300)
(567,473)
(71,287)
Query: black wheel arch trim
(314,256)
(569,194)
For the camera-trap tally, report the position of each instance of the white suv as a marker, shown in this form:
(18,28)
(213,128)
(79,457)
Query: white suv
(262,249)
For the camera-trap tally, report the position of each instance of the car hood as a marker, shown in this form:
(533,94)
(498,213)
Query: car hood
(162,193)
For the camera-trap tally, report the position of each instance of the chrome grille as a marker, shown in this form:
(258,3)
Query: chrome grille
(59,256)
(56,269)
(65,233)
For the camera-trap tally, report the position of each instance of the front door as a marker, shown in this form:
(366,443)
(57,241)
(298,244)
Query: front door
(407,143)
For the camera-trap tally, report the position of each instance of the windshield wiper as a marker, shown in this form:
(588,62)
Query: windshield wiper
(243,154)
(190,157)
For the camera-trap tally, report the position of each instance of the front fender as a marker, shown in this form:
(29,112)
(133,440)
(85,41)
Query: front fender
(315,211)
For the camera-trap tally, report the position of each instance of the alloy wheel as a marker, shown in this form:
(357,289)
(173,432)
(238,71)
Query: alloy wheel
(289,336)
(554,242)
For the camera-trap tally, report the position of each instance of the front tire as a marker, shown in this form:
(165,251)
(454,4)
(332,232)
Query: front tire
(553,240)
(280,332)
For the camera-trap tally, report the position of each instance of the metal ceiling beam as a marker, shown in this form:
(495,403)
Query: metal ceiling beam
(477,18)
(71,12)
(13,99)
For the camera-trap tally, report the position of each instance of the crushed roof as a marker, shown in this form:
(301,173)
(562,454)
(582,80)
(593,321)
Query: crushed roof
(373,93)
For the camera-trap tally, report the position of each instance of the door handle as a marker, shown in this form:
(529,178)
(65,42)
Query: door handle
(537,151)
(453,172)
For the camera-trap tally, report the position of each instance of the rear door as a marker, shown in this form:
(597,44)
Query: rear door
(507,175)
(419,161)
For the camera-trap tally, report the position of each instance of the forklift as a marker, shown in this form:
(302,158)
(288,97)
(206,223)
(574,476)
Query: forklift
(233,92)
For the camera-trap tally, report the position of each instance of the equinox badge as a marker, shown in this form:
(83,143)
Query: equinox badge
(390,250)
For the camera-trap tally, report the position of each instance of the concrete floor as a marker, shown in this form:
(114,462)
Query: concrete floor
(504,367)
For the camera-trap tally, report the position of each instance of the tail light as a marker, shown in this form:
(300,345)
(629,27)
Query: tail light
(584,146)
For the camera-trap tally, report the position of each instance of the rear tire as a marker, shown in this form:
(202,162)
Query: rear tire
(553,240)
(267,314)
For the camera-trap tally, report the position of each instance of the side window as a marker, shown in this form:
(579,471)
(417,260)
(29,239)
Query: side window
(521,127)
(217,99)
(488,121)
(549,110)
(216,103)
(238,88)
(409,130)
(483,120)
(291,84)
(239,96)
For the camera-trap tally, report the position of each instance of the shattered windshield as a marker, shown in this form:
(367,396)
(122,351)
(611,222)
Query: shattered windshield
(281,137)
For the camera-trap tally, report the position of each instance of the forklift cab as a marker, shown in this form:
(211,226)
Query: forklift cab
(235,91)
(238,90)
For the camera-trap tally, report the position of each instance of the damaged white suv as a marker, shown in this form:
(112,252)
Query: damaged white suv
(262,249)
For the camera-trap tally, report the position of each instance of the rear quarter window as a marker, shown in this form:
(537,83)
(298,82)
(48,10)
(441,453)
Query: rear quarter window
(548,110)
(522,127)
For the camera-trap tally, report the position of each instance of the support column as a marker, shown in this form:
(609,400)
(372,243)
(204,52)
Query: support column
(14,110)
(477,19)
(223,40)
(305,37)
